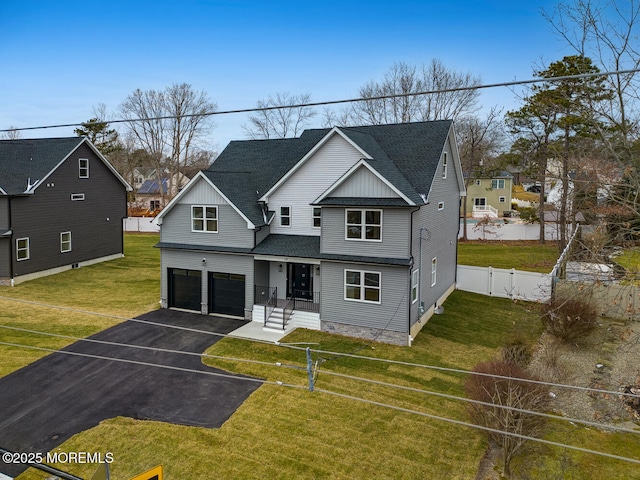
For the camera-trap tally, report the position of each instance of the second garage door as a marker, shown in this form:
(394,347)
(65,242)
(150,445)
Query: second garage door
(226,294)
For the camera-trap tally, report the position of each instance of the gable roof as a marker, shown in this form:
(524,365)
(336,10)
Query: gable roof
(406,155)
(26,163)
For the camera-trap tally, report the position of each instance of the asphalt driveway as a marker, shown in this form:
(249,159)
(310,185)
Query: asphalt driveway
(52,399)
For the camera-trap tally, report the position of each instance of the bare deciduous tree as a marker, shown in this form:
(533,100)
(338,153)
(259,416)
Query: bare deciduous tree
(270,122)
(11,134)
(167,124)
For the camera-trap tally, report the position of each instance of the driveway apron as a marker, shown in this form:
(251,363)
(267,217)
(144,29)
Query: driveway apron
(52,399)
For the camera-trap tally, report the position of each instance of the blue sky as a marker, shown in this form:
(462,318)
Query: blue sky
(60,58)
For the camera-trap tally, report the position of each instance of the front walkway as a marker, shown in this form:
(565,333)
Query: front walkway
(255,331)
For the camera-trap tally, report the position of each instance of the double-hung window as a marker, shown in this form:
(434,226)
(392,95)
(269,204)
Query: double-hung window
(364,225)
(415,281)
(285,216)
(65,242)
(497,183)
(317,217)
(362,286)
(434,269)
(204,219)
(22,249)
(83,168)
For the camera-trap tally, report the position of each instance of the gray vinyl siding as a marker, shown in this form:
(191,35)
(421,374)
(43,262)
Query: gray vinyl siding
(192,260)
(395,234)
(4,213)
(232,228)
(439,238)
(261,233)
(392,312)
(5,258)
(327,165)
(95,223)
(363,183)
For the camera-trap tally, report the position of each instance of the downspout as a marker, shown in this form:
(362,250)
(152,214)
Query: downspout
(411,264)
(11,245)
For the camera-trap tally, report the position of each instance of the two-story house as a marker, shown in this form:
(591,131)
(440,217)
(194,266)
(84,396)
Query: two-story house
(350,230)
(490,195)
(61,206)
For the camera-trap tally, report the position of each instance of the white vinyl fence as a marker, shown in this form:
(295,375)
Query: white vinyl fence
(498,282)
(141,224)
(511,231)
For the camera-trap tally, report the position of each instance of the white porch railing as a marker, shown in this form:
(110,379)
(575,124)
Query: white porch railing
(480,211)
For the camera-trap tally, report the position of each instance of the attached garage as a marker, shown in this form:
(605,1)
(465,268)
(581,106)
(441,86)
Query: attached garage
(185,287)
(226,293)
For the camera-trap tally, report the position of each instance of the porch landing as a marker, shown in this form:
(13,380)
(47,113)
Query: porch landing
(256,331)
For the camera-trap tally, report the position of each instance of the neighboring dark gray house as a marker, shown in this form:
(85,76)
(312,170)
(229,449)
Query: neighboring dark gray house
(61,206)
(350,230)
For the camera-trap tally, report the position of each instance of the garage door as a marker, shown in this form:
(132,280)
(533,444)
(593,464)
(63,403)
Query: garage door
(226,294)
(185,289)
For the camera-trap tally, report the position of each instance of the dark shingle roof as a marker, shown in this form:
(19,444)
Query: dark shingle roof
(407,155)
(25,161)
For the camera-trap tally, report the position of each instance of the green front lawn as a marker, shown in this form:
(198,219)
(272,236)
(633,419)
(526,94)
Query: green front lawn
(120,289)
(521,255)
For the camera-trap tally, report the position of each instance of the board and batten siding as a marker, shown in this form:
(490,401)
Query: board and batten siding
(215,262)
(95,223)
(392,312)
(316,175)
(5,258)
(4,213)
(232,228)
(439,240)
(395,234)
(363,183)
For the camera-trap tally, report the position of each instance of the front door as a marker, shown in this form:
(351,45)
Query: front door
(300,281)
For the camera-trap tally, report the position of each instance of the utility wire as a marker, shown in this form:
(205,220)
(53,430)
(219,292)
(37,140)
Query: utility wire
(337,102)
(479,427)
(326,352)
(341,395)
(479,402)
(351,377)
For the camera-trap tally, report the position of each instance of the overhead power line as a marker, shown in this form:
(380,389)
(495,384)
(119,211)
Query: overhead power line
(337,394)
(337,102)
(318,351)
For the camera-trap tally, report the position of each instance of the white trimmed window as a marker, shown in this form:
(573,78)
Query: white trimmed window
(434,269)
(285,216)
(497,183)
(75,197)
(502,199)
(478,182)
(65,242)
(415,281)
(363,225)
(362,286)
(317,217)
(22,249)
(204,219)
(83,168)
(440,205)
(444,165)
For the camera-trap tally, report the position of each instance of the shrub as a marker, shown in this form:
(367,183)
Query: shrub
(514,392)
(516,352)
(569,319)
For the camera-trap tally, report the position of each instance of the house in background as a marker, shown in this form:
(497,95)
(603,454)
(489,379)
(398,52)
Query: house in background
(61,206)
(151,193)
(351,230)
(490,195)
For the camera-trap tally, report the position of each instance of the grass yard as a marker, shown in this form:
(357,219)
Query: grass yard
(521,255)
(125,288)
(285,431)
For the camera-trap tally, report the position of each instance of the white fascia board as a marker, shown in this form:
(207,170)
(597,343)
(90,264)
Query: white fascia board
(351,171)
(311,153)
(189,186)
(456,160)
